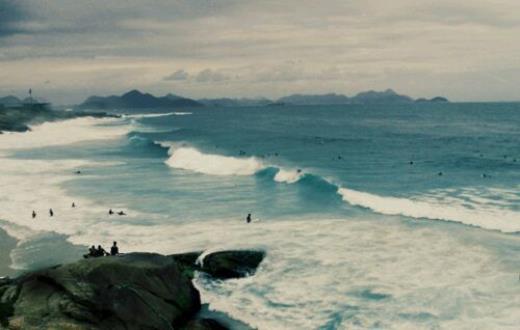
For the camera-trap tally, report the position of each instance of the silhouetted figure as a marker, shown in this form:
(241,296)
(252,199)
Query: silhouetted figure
(114,250)
(73,204)
(78,172)
(411,162)
(110,212)
(100,252)
(51,212)
(121,213)
(299,170)
(92,252)
(439,174)
(248,219)
(33,214)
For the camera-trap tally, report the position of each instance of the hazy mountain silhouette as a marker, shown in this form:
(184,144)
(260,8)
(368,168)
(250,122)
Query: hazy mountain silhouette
(137,100)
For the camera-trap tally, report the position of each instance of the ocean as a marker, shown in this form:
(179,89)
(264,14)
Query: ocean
(373,216)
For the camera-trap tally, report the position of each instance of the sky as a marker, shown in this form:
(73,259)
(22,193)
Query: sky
(66,50)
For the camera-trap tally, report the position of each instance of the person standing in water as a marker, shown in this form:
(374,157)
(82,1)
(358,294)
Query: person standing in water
(33,214)
(51,212)
(248,219)
(73,204)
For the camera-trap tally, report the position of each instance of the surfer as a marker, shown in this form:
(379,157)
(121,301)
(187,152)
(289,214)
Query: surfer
(110,212)
(248,218)
(33,214)
(51,212)
(121,213)
(73,204)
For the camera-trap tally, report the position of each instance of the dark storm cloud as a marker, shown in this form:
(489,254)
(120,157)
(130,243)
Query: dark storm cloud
(10,13)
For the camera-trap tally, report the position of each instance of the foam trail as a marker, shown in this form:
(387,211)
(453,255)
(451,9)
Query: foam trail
(485,217)
(191,159)
(156,115)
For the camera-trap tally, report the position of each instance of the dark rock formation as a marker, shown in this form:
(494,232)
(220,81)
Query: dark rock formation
(134,291)
(203,324)
(232,264)
(223,264)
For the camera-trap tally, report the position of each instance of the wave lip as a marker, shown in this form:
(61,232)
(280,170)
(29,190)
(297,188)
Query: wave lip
(288,176)
(187,158)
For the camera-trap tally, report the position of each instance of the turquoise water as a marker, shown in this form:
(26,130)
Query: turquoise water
(401,216)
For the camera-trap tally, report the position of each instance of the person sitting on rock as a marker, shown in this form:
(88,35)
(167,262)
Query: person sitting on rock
(92,252)
(114,250)
(100,252)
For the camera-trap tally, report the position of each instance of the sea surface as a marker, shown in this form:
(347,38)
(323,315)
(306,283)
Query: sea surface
(373,217)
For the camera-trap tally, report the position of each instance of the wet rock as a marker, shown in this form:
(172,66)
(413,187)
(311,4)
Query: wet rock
(204,324)
(134,291)
(232,264)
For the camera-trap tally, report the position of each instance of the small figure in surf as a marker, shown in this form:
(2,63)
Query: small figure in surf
(33,214)
(110,212)
(114,250)
(73,204)
(248,218)
(51,212)
(78,172)
(121,213)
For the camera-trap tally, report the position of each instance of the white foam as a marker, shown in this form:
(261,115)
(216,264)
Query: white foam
(63,133)
(193,160)
(156,115)
(481,215)
(288,176)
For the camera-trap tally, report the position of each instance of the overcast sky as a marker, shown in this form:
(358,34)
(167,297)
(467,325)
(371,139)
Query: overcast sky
(66,50)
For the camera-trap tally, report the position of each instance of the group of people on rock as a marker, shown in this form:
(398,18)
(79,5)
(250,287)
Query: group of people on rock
(94,252)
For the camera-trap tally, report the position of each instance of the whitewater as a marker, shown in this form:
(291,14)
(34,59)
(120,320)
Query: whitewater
(338,256)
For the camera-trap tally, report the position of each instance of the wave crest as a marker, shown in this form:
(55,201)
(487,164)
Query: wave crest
(187,158)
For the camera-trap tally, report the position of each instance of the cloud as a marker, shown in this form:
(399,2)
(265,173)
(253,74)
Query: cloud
(10,14)
(260,47)
(209,75)
(178,75)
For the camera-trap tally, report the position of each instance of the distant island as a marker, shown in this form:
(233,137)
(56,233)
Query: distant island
(139,100)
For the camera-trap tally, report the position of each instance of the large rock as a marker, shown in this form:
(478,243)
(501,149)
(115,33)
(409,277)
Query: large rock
(134,291)
(232,264)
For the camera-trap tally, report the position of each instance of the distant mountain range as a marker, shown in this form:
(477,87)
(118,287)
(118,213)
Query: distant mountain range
(138,100)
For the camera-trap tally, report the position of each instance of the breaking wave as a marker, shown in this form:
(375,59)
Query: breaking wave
(482,215)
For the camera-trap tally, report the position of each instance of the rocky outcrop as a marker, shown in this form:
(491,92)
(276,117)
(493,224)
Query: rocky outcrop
(132,291)
(223,264)
(232,264)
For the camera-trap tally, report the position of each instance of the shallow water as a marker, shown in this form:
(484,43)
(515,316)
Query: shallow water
(357,235)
